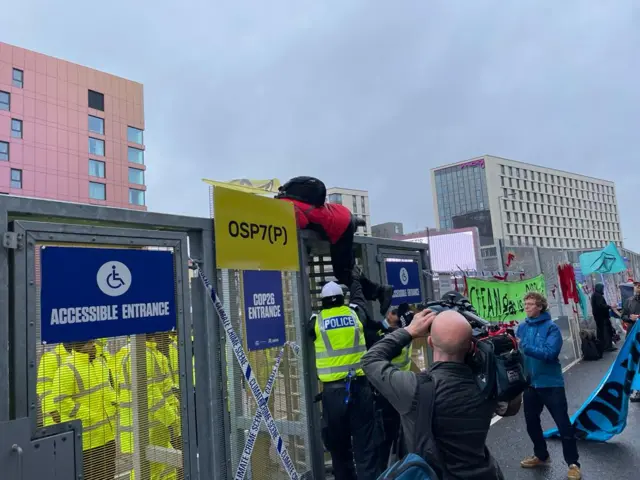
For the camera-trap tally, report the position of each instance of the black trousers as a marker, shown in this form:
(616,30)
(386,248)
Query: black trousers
(343,262)
(604,333)
(391,425)
(555,399)
(99,463)
(348,430)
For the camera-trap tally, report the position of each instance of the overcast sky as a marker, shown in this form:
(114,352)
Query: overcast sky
(363,94)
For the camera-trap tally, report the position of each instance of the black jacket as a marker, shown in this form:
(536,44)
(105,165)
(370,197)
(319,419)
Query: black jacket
(599,305)
(462,416)
(631,307)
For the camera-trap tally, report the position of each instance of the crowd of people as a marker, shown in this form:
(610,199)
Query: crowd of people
(373,403)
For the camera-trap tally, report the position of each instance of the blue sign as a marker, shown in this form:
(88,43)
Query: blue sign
(92,293)
(264,309)
(405,279)
(604,414)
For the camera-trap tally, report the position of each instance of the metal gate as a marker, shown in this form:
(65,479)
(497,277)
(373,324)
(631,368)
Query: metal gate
(315,264)
(148,433)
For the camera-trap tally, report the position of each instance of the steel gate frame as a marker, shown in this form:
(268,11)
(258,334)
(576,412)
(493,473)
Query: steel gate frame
(110,226)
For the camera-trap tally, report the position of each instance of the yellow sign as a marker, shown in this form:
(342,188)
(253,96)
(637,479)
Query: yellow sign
(254,233)
(259,187)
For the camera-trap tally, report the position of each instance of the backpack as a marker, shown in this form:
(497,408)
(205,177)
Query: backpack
(304,189)
(589,346)
(411,467)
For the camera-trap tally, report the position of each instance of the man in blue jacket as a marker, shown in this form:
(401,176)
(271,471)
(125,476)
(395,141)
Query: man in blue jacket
(541,342)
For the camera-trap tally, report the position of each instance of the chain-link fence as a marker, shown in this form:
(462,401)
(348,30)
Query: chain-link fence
(124,390)
(286,402)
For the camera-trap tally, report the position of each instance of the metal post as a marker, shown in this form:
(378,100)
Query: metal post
(211,405)
(314,423)
(4,321)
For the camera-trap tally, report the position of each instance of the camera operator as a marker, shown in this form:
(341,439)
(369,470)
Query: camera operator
(455,448)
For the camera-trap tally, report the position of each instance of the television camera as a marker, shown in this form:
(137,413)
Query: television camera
(496,360)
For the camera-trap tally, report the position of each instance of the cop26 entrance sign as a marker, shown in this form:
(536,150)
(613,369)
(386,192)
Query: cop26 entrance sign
(604,414)
(498,301)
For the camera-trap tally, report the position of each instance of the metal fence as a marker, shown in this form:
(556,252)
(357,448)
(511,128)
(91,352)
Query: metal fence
(212,406)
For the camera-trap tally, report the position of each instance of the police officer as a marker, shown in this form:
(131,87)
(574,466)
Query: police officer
(347,401)
(398,317)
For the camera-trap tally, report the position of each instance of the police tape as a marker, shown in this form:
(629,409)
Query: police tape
(258,395)
(257,420)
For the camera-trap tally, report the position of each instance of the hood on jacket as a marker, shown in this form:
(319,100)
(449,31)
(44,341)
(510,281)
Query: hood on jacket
(543,317)
(599,288)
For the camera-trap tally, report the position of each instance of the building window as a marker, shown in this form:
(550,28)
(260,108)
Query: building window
(96,146)
(135,155)
(355,203)
(136,197)
(5,101)
(97,191)
(363,210)
(96,100)
(335,198)
(96,168)
(16,128)
(16,178)
(4,151)
(136,176)
(96,124)
(18,78)
(134,135)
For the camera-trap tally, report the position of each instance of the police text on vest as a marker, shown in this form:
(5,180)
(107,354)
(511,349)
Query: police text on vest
(339,322)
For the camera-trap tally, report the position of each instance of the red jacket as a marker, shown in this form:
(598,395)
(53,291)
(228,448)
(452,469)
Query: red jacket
(333,218)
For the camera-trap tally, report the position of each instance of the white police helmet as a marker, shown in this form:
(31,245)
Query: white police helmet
(331,289)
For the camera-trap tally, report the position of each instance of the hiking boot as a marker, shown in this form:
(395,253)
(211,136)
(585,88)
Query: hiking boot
(574,472)
(535,462)
(385,295)
(635,396)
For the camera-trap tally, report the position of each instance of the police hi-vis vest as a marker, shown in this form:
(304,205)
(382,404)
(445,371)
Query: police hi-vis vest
(339,343)
(403,361)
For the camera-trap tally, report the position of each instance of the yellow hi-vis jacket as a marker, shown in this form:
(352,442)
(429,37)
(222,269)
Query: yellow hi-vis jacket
(81,391)
(339,343)
(101,351)
(50,362)
(161,406)
(403,361)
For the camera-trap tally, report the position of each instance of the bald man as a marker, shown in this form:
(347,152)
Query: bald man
(444,415)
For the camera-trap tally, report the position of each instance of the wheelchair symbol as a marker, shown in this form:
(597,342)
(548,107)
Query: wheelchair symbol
(114,279)
(404,276)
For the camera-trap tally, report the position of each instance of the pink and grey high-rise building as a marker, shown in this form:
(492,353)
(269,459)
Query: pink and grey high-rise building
(69,132)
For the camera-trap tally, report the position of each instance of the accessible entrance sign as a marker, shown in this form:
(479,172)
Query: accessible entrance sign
(90,293)
(405,279)
(263,309)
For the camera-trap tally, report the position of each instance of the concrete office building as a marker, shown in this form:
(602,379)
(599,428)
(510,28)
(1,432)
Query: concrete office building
(68,132)
(387,230)
(357,201)
(526,204)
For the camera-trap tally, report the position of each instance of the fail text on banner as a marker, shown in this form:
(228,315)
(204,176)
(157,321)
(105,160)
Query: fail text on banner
(405,279)
(263,309)
(92,293)
(498,301)
(254,233)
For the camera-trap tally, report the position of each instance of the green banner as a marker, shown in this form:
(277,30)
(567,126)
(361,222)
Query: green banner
(498,301)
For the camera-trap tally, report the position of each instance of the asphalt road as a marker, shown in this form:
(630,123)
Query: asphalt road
(619,458)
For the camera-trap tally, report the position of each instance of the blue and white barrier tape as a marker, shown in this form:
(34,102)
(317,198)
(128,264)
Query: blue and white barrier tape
(257,420)
(258,395)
